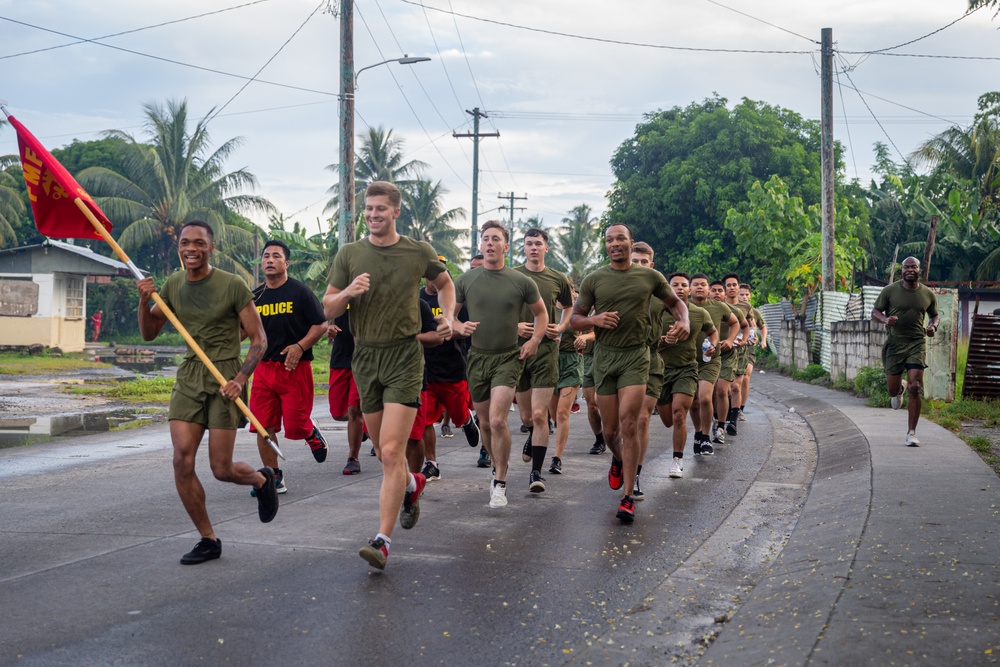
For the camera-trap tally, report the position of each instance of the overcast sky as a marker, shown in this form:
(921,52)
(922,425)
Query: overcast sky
(562,104)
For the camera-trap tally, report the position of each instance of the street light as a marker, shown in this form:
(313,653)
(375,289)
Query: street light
(348,84)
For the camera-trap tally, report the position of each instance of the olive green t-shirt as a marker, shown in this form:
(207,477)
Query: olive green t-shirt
(720,314)
(554,288)
(685,352)
(495,299)
(758,324)
(210,310)
(390,309)
(567,342)
(742,311)
(627,292)
(909,306)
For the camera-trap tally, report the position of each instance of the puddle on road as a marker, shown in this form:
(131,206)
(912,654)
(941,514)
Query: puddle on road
(141,363)
(37,430)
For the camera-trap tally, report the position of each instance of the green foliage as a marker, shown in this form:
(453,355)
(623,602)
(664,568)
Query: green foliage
(870,383)
(979,443)
(686,167)
(811,372)
(423,219)
(22,363)
(575,246)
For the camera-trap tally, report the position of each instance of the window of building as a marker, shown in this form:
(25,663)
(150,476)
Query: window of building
(74,298)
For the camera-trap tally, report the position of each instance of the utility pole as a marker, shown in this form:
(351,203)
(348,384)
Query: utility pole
(929,248)
(826,122)
(475,136)
(510,196)
(345,217)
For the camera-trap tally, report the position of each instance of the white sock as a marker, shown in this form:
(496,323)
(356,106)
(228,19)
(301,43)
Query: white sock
(412,485)
(384,538)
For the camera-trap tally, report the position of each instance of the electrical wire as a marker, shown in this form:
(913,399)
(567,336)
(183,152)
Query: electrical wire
(847,125)
(754,18)
(922,37)
(132,31)
(269,61)
(603,40)
(881,127)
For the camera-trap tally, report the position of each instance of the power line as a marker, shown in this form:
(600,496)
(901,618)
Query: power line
(911,55)
(847,125)
(166,60)
(604,40)
(922,37)
(134,30)
(865,102)
(269,60)
(754,18)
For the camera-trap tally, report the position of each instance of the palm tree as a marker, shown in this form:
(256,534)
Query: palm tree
(379,159)
(576,250)
(174,179)
(11,205)
(423,219)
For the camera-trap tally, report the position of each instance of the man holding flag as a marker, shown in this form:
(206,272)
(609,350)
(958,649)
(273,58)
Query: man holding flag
(216,302)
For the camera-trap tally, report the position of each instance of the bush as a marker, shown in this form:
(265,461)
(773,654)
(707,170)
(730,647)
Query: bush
(810,373)
(870,383)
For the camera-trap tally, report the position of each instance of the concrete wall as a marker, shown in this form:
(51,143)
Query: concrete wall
(795,347)
(49,326)
(854,344)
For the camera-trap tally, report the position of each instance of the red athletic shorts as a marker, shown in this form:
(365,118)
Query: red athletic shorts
(453,397)
(428,414)
(279,396)
(343,392)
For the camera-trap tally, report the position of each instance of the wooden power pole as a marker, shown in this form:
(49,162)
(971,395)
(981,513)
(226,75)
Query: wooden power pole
(826,122)
(475,136)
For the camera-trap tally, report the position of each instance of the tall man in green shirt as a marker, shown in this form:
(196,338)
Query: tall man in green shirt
(379,277)
(212,304)
(541,372)
(902,307)
(619,295)
(643,255)
(494,295)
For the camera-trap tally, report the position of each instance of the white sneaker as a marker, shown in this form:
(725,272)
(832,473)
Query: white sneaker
(741,417)
(719,437)
(911,439)
(677,468)
(897,401)
(498,496)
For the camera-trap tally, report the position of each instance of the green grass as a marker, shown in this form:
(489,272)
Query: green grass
(810,373)
(19,363)
(979,443)
(126,426)
(953,415)
(139,390)
(961,359)
(170,339)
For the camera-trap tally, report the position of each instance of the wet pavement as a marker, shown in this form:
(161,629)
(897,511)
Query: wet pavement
(812,538)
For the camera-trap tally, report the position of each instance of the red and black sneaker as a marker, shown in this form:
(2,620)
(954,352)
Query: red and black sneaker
(317,443)
(626,510)
(376,552)
(410,511)
(615,475)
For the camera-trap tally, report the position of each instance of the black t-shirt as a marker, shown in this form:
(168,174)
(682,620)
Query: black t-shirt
(446,362)
(342,349)
(288,312)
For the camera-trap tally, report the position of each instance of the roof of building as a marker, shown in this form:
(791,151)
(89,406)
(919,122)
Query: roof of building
(67,258)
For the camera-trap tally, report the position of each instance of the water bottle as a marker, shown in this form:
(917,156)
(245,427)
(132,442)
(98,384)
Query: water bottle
(753,335)
(705,345)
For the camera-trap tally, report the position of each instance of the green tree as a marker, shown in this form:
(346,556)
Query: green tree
(12,208)
(423,219)
(173,179)
(576,245)
(684,168)
(312,256)
(380,158)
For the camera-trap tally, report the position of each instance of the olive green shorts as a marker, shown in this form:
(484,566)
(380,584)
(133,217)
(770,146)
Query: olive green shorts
(654,385)
(542,370)
(570,370)
(728,370)
(492,368)
(710,372)
(389,373)
(683,380)
(752,356)
(196,398)
(742,357)
(588,370)
(617,367)
(900,355)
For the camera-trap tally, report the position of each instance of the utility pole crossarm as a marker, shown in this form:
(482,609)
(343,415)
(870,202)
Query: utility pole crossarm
(475,135)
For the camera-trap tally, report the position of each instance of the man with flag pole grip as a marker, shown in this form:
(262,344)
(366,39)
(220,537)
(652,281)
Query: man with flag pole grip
(215,301)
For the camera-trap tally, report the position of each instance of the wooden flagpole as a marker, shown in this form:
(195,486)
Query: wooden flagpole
(158,300)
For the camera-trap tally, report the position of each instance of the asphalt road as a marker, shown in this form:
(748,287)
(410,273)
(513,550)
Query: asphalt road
(92,531)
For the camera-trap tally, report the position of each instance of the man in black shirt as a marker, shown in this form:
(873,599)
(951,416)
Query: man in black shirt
(282,391)
(345,402)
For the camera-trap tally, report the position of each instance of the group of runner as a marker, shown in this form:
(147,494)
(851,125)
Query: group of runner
(405,358)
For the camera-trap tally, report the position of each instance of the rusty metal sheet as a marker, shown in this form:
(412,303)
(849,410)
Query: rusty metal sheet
(982,370)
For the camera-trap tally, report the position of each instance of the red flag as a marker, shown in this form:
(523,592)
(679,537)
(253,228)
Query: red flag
(52,192)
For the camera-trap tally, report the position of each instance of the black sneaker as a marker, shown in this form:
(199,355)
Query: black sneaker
(267,496)
(430,471)
(626,510)
(707,449)
(615,474)
(556,467)
(471,430)
(598,448)
(637,493)
(731,428)
(376,552)
(353,467)
(205,550)
(552,426)
(410,511)
(526,452)
(697,447)
(279,484)
(373,452)
(484,459)
(536,483)
(525,428)
(365,436)
(317,443)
